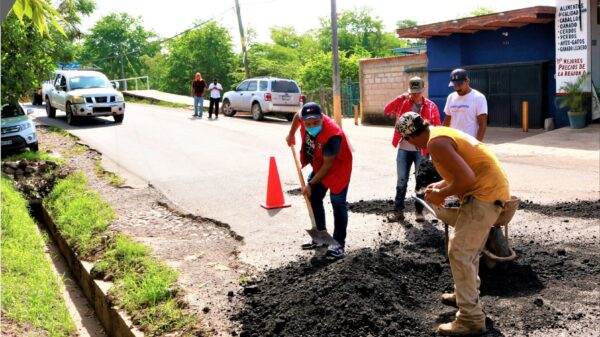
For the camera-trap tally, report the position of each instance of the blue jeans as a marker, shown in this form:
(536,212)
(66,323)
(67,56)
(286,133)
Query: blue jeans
(340,210)
(404,161)
(198,105)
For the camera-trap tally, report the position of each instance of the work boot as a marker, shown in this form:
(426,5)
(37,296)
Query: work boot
(449,299)
(419,216)
(460,328)
(397,216)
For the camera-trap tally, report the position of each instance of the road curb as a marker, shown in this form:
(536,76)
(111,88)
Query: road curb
(115,323)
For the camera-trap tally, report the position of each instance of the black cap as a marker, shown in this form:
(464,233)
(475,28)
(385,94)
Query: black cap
(458,76)
(311,110)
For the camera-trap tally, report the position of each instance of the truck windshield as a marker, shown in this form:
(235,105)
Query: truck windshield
(86,82)
(12,110)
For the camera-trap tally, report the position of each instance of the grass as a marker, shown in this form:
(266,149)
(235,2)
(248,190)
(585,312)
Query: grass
(76,150)
(33,156)
(62,132)
(109,177)
(80,214)
(154,102)
(144,287)
(30,290)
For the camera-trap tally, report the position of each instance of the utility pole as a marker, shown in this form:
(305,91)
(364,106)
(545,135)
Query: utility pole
(337,101)
(244,54)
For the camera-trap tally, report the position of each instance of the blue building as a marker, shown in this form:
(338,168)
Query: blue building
(510,57)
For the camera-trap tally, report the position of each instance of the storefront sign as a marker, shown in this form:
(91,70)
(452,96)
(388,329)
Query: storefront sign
(572,42)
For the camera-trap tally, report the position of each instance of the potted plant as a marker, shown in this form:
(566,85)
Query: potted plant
(574,98)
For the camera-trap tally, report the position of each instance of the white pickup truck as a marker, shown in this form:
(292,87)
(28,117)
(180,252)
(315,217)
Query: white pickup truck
(83,93)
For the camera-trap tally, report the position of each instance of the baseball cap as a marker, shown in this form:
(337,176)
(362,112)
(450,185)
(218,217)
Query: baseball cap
(416,85)
(458,76)
(310,110)
(409,123)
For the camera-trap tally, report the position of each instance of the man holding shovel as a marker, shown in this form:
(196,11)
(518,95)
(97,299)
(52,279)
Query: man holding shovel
(473,173)
(325,148)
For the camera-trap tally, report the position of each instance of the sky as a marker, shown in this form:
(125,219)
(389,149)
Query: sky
(167,18)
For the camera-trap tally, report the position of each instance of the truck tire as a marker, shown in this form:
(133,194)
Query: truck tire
(226,109)
(119,118)
(257,113)
(50,111)
(289,117)
(71,118)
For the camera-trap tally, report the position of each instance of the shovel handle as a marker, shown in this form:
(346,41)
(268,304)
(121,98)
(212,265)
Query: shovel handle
(302,184)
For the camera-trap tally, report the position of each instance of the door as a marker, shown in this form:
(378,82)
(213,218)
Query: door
(285,92)
(60,90)
(249,95)
(236,98)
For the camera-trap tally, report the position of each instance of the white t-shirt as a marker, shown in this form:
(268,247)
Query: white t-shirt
(464,111)
(214,92)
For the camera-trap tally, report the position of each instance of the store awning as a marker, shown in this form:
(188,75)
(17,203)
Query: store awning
(516,18)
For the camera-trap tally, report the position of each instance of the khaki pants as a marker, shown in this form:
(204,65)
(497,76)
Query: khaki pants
(471,229)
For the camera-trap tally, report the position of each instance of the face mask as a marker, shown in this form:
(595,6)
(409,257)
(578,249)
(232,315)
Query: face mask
(314,131)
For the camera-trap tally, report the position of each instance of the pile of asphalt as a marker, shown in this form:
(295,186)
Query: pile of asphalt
(583,209)
(394,289)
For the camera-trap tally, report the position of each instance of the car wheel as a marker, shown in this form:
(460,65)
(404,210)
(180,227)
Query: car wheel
(71,118)
(34,147)
(257,113)
(226,109)
(50,111)
(119,118)
(289,117)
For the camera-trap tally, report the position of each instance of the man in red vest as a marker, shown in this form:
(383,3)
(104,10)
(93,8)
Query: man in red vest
(325,148)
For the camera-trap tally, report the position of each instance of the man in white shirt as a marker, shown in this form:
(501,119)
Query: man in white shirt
(215,89)
(466,108)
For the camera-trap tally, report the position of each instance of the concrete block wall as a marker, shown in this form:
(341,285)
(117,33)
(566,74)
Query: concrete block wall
(383,79)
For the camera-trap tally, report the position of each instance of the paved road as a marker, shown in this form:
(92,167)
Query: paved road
(218,169)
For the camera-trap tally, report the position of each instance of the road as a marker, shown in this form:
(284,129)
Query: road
(218,169)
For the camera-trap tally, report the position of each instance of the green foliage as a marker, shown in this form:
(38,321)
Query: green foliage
(116,38)
(33,156)
(207,50)
(318,71)
(358,29)
(39,12)
(144,287)
(574,97)
(80,214)
(30,291)
(479,11)
(401,24)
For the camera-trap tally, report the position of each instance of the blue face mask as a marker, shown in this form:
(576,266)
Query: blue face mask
(314,131)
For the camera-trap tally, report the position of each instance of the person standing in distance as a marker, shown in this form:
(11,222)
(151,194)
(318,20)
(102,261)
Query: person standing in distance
(198,87)
(466,108)
(215,89)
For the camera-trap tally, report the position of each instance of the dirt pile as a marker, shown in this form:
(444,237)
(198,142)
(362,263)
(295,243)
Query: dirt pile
(394,290)
(584,209)
(427,174)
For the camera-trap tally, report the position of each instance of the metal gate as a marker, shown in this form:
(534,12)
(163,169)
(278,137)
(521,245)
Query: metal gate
(350,97)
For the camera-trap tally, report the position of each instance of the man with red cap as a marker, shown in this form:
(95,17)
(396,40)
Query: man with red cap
(325,148)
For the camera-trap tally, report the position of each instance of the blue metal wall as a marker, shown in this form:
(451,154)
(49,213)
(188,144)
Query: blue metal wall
(532,42)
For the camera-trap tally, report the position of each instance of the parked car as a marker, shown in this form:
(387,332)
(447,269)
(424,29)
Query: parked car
(264,96)
(83,93)
(18,131)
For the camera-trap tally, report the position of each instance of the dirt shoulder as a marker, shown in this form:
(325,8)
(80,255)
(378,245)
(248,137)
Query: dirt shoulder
(202,251)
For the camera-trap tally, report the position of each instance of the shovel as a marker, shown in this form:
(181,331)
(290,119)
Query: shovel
(320,237)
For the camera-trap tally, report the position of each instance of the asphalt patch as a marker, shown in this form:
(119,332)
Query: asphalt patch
(394,289)
(583,209)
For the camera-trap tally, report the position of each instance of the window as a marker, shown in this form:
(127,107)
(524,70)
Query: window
(12,110)
(86,82)
(264,85)
(63,81)
(252,86)
(243,86)
(284,86)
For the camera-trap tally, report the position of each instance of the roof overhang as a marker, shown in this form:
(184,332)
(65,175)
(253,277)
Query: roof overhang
(513,19)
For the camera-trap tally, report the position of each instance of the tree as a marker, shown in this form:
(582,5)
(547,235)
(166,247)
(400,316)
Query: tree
(406,23)
(28,57)
(207,50)
(116,43)
(39,12)
(479,11)
(358,28)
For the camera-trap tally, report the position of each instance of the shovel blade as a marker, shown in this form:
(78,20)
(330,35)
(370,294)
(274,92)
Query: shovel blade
(320,237)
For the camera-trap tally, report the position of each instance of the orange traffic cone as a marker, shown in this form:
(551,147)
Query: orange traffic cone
(274,192)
